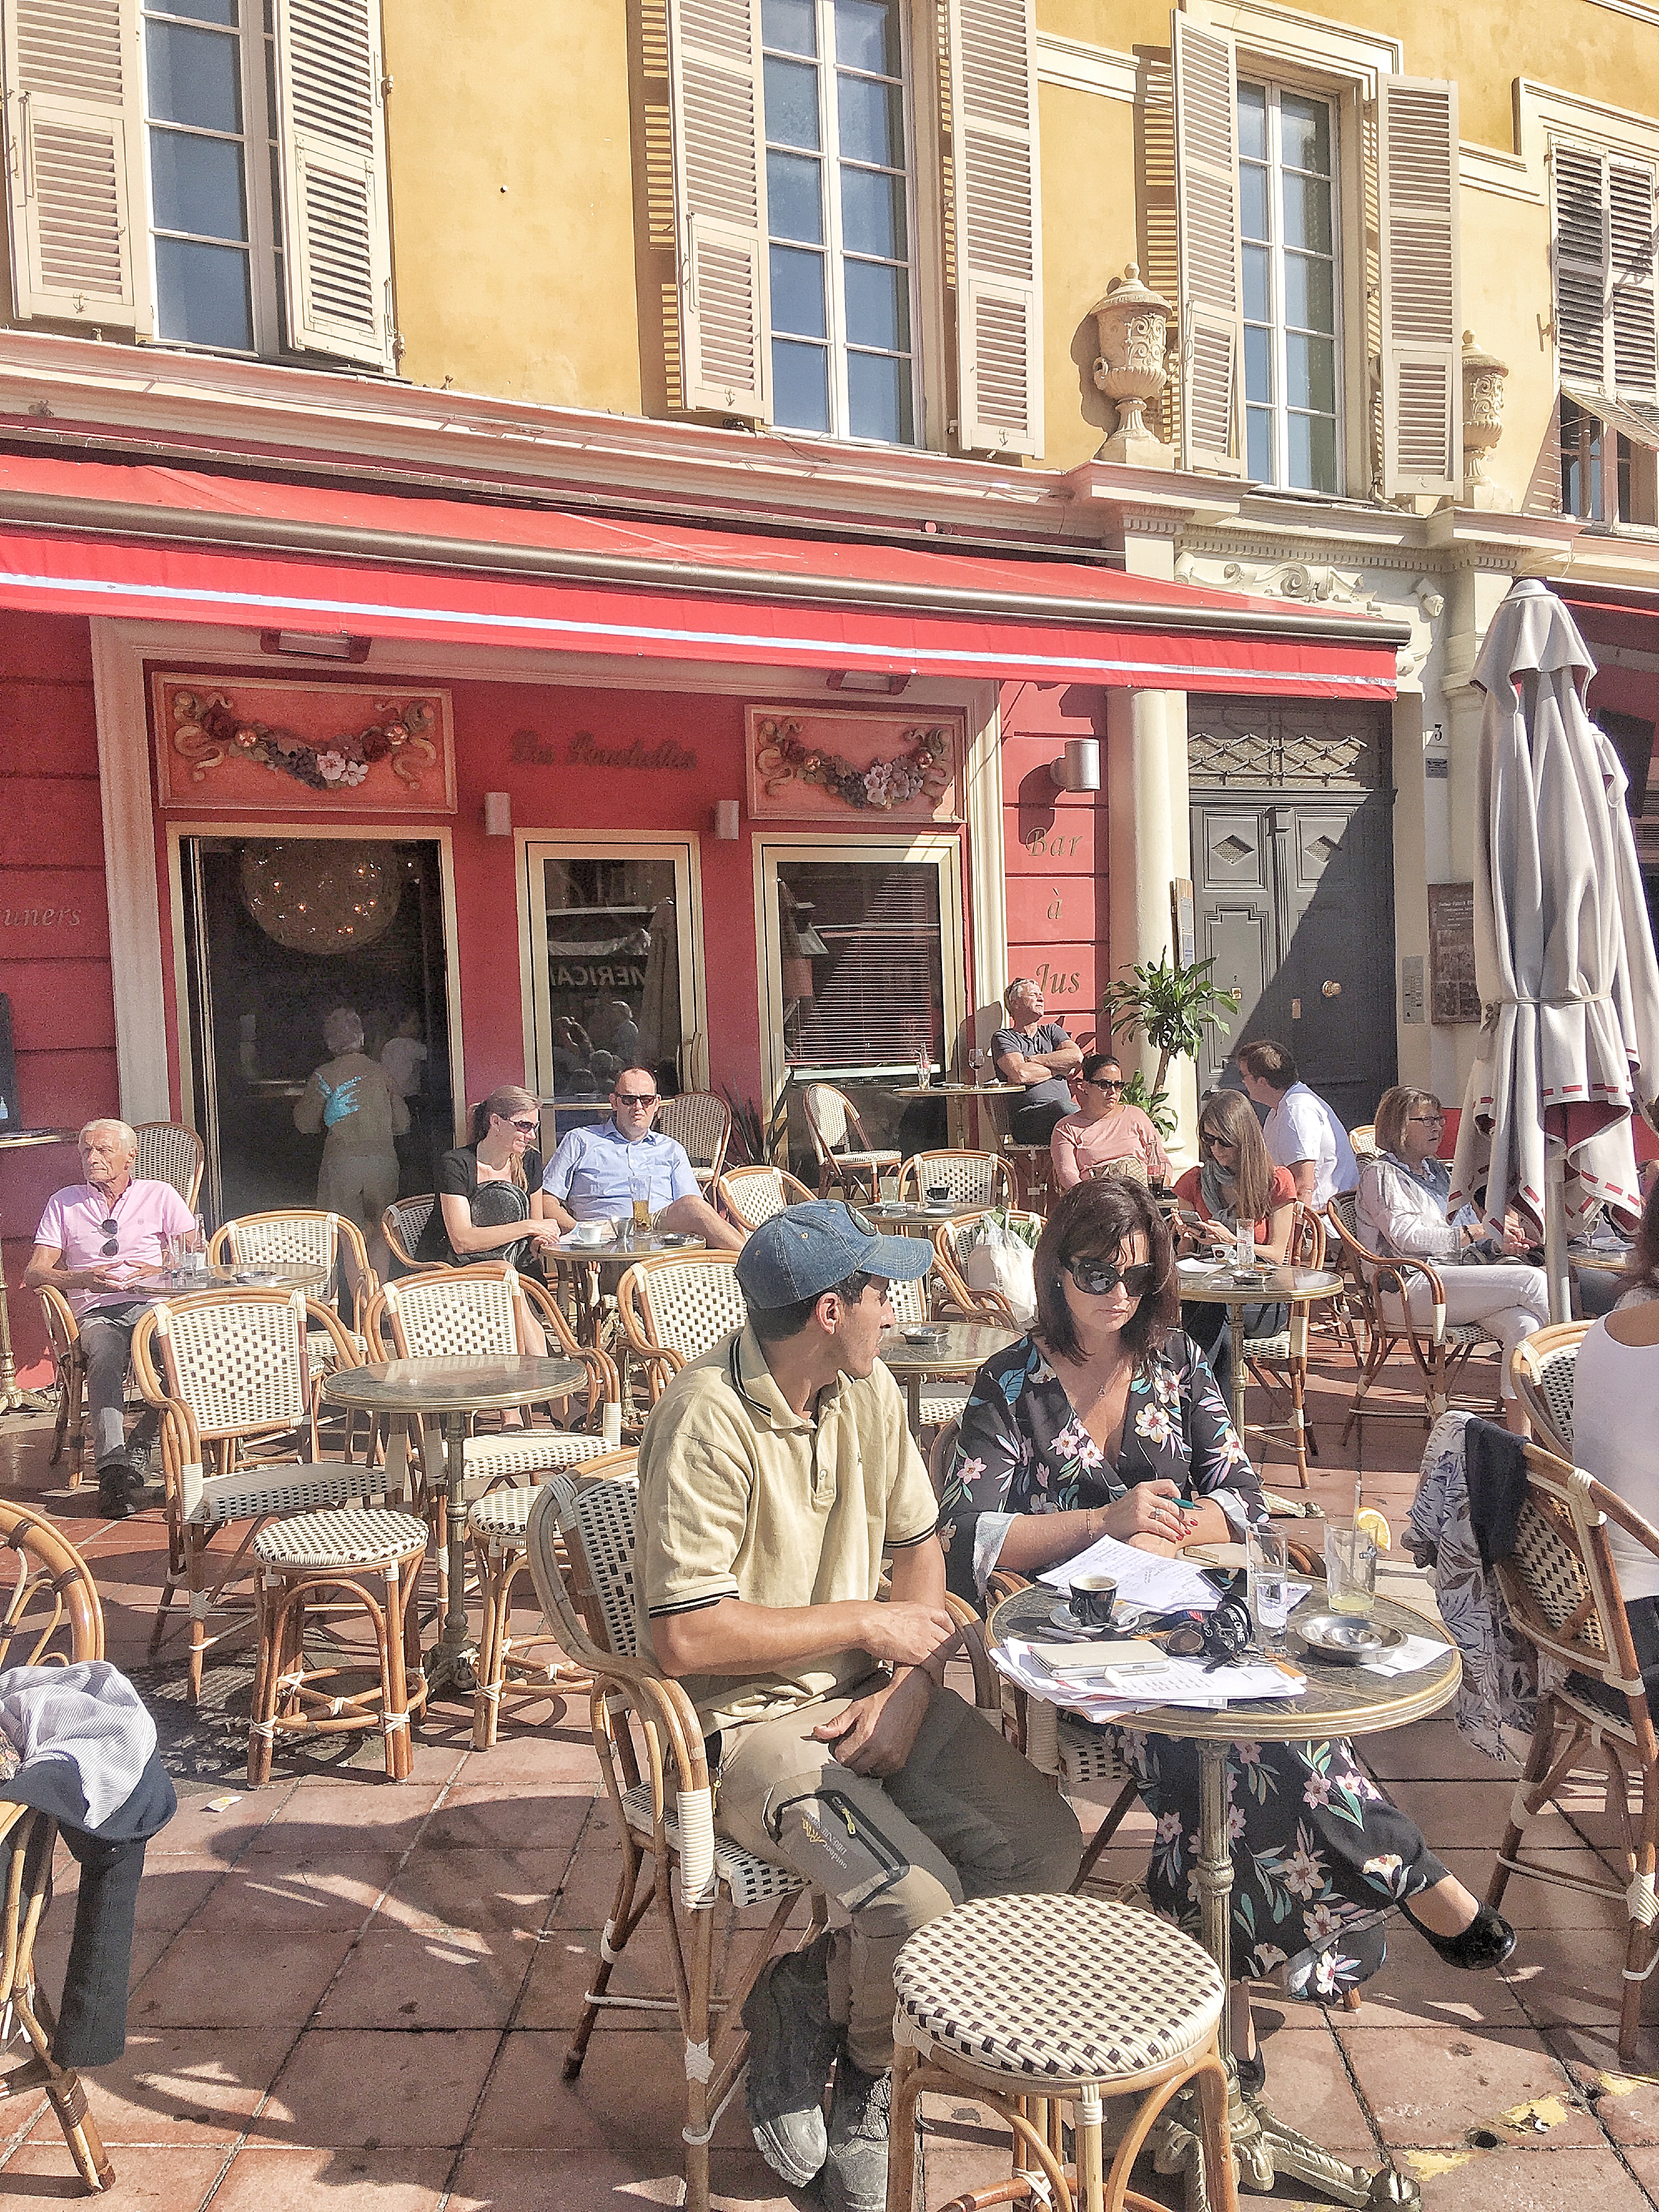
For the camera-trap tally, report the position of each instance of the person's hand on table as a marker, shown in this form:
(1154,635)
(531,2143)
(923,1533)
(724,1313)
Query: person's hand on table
(875,1735)
(1150,1510)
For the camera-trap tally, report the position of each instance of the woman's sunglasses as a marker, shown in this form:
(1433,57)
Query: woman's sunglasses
(1213,1143)
(1101,1082)
(1098,1278)
(525,1128)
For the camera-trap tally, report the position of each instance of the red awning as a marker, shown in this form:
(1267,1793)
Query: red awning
(168,545)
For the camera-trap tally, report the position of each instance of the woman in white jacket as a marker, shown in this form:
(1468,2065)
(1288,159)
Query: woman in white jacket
(1403,1212)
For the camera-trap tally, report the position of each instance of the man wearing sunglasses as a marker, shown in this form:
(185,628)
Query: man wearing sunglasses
(596,1173)
(96,1240)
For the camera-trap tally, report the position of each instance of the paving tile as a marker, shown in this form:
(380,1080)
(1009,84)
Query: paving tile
(1434,1750)
(1542,1905)
(539,1755)
(170,2179)
(1534,2181)
(174,1890)
(1645,2165)
(503,1817)
(430,1977)
(1567,1980)
(469,1886)
(264,1894)
(600,2181)
(629,2098)
(1427,2088)
(1415,1987)
(1626,2104)
(1308,2089)
(262,1979)
(196,1833)
(567,1960)
(181,2086)
(265,2179)
(318,1821)
(1473,1815)
(378,2089)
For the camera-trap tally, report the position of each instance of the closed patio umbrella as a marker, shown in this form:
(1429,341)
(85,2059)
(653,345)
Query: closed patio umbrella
(1569,1043)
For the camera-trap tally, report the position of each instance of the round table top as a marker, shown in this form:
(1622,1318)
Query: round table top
(453,1385)
(963,1350)
(17,1140)
(918,1217)
(1272,1285)
(957,1090)
(1338,1700)
(1599,1263)
(645,1245)
(285,1275)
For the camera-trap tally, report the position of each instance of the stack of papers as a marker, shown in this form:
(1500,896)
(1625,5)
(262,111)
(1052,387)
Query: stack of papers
(1144,1581)
(1406,1658)
(1106,1683)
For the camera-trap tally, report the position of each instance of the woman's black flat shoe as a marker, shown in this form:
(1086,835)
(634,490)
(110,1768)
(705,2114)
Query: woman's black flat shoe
(1486,1942)
(1252,2074)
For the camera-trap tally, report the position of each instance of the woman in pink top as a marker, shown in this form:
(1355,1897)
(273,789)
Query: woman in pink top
(1103,1127)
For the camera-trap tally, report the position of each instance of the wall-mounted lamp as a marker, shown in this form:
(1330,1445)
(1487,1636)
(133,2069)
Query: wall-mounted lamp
(869,679)
(1079,767)
(314,645)
(498,814)
(725,820)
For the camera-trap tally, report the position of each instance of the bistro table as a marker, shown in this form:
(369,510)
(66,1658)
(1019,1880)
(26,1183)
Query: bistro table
(14,1398)
(959,1099)
(1269,1286)
(960,1350)
(894,1213)
(413,1388)
(306,1275)
(1339,1701)
(606,1264)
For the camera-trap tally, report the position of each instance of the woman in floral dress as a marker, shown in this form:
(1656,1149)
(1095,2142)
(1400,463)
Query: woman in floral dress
(1105,1421)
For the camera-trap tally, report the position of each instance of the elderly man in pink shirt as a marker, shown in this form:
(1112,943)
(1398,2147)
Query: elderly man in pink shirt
(96,1240)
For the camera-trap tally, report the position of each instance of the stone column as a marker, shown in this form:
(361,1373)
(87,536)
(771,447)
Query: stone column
(1149,844)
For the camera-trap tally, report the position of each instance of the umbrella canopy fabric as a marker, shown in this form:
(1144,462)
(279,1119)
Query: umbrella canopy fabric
(1569,1043)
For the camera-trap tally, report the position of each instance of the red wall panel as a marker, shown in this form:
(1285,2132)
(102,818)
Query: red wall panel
(1055,848)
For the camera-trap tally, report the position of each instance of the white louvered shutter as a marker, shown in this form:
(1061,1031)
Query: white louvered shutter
(1579,178)
(337,233)
(1210,310)
(718,102)
(993,143)
(1422,361)
(1631,308)
(76,154)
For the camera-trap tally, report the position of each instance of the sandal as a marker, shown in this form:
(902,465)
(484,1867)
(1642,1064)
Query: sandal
(1487,1942)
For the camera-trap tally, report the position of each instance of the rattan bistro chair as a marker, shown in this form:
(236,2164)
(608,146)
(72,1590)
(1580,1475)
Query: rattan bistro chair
(1541,1367)
(751,1195)
(63,1335)
(580,1543)
(1562,1590)
(847,1161)
(169,1152)
(49,1616)
(402,1225)
(1380,1287)
(972,1178)
(952,1242)
(701,1123)
(671,1309)
(1282,1359)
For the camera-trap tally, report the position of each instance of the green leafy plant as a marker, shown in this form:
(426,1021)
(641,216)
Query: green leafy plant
(748,1130)
(1154,1104)
(1172,1008)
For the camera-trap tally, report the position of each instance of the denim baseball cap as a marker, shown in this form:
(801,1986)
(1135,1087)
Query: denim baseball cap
(807,1250)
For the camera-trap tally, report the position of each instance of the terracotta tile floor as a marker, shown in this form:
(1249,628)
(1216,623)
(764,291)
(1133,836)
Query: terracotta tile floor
(345,1992)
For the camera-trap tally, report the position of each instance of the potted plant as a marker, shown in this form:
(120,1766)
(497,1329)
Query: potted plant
(1173,1008)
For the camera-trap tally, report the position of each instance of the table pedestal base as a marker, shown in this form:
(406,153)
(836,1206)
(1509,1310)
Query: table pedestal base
(1266,2150)
(451,1663)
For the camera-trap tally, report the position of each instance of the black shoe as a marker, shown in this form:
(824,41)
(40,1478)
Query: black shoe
(856,2170)
(1486,1942)
(1252,2074)
(115,1490)
(792,2045)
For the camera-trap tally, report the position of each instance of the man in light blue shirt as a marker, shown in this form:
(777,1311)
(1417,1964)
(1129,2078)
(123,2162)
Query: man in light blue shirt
(592,1177)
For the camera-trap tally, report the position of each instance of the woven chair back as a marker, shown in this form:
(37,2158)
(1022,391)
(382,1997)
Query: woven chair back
(168,1152)
(1542,1367)
(685,1304)
(280,1240)
(972,1178)
(751,1195)
(50,1615)
(1123,1171)
(404,1223)
(831,1120)
(1306,1247)
(1560,1583)
(589,1591)
(457,1313)
(1364,1141)
(236,1358)
(910,1300)
(699,1121)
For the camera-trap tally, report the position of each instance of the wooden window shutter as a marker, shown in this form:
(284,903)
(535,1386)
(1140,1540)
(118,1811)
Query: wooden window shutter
(1631,308)
(718,101)
(993,151)
(1212,312)
(337,232)
(76,154)
(1422,359)
(1579,178)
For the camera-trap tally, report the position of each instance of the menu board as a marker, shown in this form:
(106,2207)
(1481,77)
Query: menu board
(1454,993)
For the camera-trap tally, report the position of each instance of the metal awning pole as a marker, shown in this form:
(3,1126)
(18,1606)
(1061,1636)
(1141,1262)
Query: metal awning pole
(1555,1231)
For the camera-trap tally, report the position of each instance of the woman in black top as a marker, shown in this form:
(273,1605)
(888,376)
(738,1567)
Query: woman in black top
(489,1192)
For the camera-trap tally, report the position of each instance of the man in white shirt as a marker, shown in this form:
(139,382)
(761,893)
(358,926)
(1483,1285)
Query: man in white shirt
(1303,1133)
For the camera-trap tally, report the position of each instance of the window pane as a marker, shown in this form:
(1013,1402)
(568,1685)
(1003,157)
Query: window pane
(1253,122)
(790,24)
(1310,372)
(1257,293)
(1258,366)
(798,293)
(1253,202)
(202,11)
(800,385)
(878,398)
(192,77)
(202,294)
(1304,133)
(868,35)
(791,103)
(196,184)
(1309,295)
(878,991)
(1307,213)
(872,213)
(613,958)
(1313,452)
(1258,444)
(795,197)
(878,306)
(871,123)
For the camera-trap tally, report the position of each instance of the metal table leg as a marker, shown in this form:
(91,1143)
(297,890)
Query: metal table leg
(14,1398)
(451,1663)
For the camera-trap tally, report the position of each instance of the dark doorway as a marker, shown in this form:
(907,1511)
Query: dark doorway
(279,932)
(1294,887)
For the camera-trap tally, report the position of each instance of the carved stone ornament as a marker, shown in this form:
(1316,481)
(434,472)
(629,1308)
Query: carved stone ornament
(1483,423)
(1133,368)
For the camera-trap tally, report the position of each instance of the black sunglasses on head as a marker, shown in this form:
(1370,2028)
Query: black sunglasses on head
(1098,1278)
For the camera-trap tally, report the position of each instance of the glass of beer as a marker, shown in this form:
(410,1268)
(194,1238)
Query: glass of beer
(1350,1570)
(639,1185)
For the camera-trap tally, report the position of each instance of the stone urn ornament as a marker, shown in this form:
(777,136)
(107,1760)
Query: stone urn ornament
(1133,368)
(1483,423)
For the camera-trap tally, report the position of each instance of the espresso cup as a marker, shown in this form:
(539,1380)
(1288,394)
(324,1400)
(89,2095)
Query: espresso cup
(1091,1600)
(938,1194)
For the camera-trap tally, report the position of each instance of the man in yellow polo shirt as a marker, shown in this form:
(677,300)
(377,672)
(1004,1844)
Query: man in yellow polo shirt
(775,1474)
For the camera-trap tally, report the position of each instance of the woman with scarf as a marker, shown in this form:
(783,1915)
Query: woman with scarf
(1234,1182)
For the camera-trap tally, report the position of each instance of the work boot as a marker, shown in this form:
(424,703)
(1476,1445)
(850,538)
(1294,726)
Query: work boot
(792,2045)
(855,2167)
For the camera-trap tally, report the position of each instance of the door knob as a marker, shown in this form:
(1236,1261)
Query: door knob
(1329,990)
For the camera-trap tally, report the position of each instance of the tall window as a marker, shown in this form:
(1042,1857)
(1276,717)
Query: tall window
(1287,227)
(213,160)
(839,218)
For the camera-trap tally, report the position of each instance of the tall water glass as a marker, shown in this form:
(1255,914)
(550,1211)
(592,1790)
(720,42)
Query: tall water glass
(1269,1563)
(1350,1569)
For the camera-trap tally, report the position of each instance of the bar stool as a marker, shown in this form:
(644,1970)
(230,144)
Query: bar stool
(1033,1166)
(340,1551)
(1028,2004)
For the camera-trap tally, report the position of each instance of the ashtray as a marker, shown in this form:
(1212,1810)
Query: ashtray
(924,1334)
(1347,1639)
(1247,1279)
(670,1239)
(255,1277)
